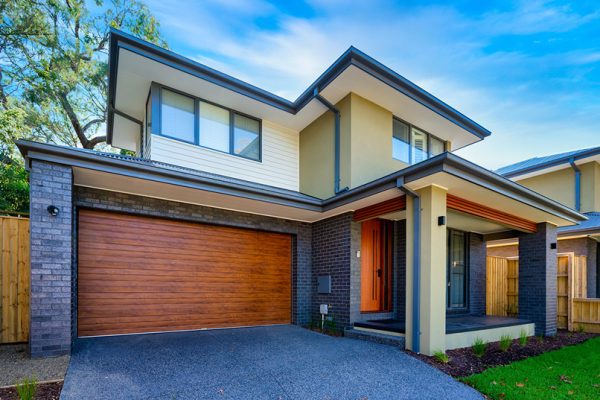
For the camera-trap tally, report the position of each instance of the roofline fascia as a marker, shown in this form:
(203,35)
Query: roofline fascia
(553,163)
(445,162)
(352,56)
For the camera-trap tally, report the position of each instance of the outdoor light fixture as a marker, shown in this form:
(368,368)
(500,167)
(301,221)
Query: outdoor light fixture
(53,210)
(553,246)
(441,220)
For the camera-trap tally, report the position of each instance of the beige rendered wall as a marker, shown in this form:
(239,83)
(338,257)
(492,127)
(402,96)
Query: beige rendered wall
(557,185)
(317,148)
(365,147)
(371,148)
(560,186)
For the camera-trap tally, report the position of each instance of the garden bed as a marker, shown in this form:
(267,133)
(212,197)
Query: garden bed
(463,362)
(44,391)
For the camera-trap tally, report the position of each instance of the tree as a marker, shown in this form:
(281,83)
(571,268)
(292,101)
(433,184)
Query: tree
(53,65)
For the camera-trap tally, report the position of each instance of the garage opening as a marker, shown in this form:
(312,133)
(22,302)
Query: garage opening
(144,274)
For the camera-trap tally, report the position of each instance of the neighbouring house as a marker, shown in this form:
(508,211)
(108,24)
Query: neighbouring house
(242,208)
(573,179)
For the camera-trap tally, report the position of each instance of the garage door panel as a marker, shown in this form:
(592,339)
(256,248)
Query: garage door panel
(142,274)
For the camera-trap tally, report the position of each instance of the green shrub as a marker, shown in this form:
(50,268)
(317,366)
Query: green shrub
(580,328)
(479,347)
(441,356)
(26,389)
(523,338)
(505,342)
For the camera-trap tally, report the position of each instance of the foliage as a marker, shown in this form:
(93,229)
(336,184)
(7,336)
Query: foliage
(580,328)
(26,389)
(505,342)
(523,338)
(441,356)
(14,188)
(53,55)
(479,346)
(570,372)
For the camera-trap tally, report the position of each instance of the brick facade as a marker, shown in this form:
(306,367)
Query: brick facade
(477,274)
(537,278)
(331,254)
(51,256)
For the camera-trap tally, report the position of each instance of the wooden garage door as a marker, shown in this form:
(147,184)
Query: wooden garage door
(142,274)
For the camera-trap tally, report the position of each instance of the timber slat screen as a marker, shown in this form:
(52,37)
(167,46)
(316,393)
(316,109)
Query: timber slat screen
(574,310)
(502,287)
(144,274)
(14,279)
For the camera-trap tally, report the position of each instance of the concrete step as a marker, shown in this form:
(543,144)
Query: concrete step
(375,336)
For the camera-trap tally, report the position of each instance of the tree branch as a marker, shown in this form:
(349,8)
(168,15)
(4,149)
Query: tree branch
(92,122)
(64,102)
(95,141)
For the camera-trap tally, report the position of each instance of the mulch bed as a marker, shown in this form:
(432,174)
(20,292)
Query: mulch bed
(44,391)
(464,363)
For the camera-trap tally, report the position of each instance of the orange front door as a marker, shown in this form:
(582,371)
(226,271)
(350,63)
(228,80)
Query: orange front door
(376,266)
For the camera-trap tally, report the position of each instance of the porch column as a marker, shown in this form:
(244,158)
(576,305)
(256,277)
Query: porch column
(537,278)
(432,281)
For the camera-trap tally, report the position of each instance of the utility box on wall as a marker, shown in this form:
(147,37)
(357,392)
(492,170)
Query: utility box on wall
(324,284)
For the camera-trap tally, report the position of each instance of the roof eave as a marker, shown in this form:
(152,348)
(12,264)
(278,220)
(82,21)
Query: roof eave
(352,56)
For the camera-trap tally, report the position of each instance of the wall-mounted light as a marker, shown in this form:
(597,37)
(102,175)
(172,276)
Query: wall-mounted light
(53,210)
(553,246)
(441,220)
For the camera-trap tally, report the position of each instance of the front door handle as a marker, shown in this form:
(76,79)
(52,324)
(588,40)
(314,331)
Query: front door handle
(379,273)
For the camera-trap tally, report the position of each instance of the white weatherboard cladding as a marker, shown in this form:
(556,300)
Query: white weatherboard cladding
(279,166)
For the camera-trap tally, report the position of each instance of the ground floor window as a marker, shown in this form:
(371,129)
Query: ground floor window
(458,265)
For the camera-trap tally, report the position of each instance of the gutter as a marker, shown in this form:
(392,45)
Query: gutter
(577,183)
(337,156)
(416,278)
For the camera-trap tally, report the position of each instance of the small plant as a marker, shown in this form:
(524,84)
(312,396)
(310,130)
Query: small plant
(26,389)
(580,328)
(479,347)
(505,342)
(523,338)
(441,357)
(540,338)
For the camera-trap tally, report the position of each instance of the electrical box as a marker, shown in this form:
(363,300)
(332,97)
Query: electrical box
(324,309)
(324,284)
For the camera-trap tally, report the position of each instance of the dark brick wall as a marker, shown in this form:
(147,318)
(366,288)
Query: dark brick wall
(51,252)
(301,246)
(400,272)
(477,274)
(331,254)
(537,279)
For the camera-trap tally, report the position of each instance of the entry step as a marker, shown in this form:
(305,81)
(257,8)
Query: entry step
(375,336)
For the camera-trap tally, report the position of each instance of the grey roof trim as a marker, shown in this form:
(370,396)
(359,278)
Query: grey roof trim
(531,165)
(352,56)
(167,173)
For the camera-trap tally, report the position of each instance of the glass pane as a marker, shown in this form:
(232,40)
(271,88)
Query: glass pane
(401,142)
(437,146)
(177,116)
(214,127)
(246,139)
(457,273)
(419,146)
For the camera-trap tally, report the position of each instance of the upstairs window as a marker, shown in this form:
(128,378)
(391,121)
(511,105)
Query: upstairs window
(411,145)
(177,116)
(208,125)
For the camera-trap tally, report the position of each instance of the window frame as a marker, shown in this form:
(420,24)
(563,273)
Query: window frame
(410,138)
(158,109)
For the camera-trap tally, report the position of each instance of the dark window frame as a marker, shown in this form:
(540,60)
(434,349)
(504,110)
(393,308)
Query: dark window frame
(410,137)
(467,282)
(157,108)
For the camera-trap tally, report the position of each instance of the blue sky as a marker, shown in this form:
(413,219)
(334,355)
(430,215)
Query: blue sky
(527,70)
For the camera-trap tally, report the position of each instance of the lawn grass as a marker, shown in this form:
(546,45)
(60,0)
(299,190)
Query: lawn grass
(572,372)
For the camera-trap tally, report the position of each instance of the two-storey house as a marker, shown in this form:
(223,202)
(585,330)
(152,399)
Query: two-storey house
(242,208)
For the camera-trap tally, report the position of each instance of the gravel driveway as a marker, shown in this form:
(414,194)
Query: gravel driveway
(279,362)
